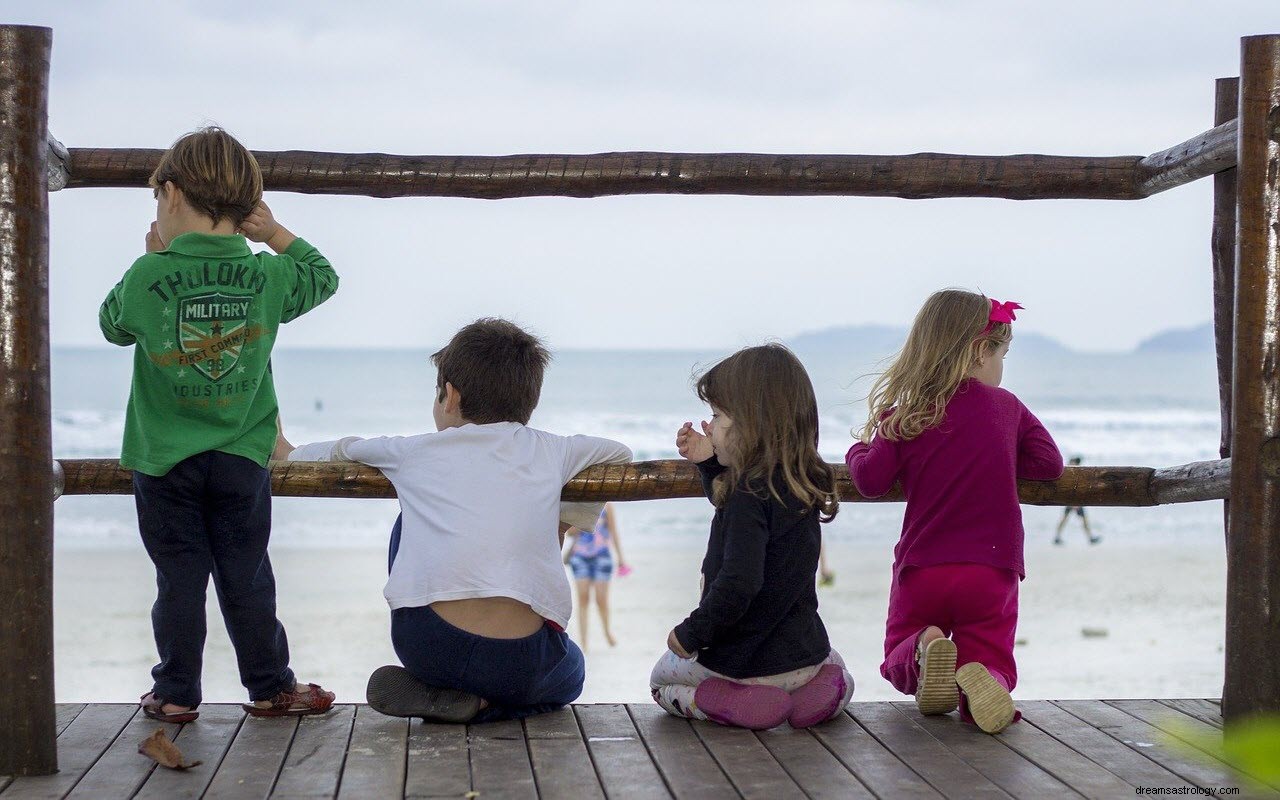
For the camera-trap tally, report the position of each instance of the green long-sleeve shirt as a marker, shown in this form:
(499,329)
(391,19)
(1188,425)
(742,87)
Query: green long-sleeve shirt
(203,315)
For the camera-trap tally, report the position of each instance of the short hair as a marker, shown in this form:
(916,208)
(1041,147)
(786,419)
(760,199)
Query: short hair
(497,367)
(218,176)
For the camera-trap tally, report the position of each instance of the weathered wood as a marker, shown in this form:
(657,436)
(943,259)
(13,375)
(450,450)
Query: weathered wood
(659,480)
(1223,251)
(1059,760)
(120,771)
(678,753)
(206,740)
(1198,157)
(66,713)
(500,764)
(253,760)
(1203,710)
(812,766)
(746,762)
(562,766)
(28,739)
(314,764)
(619,754)
(943,769)
(915,176)
(1003,766)
(79,747)
(1253,545)
(376,759)
(872,763)
(439,764)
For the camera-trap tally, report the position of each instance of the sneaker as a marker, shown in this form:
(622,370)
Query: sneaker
(742,705)
(820,698)
(395,692)
(989,702)
(936,690)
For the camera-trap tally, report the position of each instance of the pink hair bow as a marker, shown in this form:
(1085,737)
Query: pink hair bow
(1001,313)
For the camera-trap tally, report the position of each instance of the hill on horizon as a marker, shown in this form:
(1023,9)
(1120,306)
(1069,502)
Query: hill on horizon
(888,338)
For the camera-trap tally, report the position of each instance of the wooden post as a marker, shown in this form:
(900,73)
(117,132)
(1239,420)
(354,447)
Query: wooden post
(1253,543)
(1227,101)
(28,741)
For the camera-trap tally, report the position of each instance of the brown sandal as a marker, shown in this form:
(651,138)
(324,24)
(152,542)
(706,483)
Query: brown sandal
(292,704)
(153,708)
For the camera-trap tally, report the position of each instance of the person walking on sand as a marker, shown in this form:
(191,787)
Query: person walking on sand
(590,560)
(1066,515)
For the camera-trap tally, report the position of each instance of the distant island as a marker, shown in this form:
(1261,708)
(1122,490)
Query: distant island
(888,338)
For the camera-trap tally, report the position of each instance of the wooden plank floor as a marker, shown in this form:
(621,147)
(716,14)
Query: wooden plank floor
(1072,748)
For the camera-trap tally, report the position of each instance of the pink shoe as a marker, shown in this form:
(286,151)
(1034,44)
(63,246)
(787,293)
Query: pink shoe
(818,699)
(742,705)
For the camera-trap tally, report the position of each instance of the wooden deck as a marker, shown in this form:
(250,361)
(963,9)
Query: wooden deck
(1072,748)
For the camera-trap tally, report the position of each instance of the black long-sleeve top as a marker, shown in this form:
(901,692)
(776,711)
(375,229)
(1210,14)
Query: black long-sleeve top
(759,609)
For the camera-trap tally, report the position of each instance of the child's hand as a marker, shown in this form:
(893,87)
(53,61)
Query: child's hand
(260,225)
(283,447)
(692,445)
(154,243)
(673,644)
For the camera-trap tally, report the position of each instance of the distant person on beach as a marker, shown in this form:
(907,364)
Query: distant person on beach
(478,593)
(1066,515)
(590,560)
(825,576)
(940,425)
(202,310)
(754,653)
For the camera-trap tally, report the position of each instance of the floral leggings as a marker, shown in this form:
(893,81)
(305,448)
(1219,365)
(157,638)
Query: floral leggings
(674,681)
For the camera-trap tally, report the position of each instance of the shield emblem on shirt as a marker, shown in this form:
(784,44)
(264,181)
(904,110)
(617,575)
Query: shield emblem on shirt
(211,331)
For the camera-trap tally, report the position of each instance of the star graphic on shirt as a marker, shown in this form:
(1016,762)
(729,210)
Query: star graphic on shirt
(166,311)
(168,345)
(240,370)
(182,373)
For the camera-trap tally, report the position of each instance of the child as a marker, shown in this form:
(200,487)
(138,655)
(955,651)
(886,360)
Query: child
(203,311)
(478,594)
(763,657)
(591,561)
(1066,515)
(958,444)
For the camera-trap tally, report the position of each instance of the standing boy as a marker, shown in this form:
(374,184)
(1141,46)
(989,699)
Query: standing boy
(478,594)
(202,312)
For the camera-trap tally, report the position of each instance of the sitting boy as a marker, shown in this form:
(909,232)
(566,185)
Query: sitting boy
(478,594)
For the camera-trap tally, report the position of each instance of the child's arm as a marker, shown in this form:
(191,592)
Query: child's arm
(109,318)
(873,468)
(740,578)
(311,280)
(582,452)
(614,536)
(1038,456)
(696,447)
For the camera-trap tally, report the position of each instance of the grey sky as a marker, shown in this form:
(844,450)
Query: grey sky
(1080,78)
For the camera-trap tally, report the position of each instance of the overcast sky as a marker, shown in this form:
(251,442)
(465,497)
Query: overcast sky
(1078,78)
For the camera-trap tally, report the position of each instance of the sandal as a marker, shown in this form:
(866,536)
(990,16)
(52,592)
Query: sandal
(153,708)
(292,703)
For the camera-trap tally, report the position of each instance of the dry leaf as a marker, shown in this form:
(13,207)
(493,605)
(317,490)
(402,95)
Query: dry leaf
(158,748)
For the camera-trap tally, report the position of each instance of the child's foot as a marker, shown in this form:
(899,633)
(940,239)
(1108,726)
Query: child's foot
(742,705)
(820,698)
(156,708)
(1057,542)
(395,692)
(936,690)
(608,637)
(303,700)
(1094,539)
(989,703)
(826,578)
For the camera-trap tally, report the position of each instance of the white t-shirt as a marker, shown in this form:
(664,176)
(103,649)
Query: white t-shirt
(481,506)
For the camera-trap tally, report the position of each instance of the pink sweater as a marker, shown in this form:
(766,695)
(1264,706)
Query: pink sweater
(960,479)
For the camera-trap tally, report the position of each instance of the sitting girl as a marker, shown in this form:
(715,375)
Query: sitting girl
(762,653)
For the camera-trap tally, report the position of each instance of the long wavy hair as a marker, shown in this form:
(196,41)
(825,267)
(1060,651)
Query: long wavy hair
(768,395)
(948,336)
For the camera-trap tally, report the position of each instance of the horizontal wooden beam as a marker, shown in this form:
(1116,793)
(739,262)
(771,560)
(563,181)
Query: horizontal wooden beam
(660,480)
(1198,157)
(918,176)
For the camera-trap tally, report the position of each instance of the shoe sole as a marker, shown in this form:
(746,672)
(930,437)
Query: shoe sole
(742,705)
(989,703)
(395,692)
(937,692)
(819,699)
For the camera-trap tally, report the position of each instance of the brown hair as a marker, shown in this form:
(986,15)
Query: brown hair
(949,334)
(497,367)
(769,396)
(218,176)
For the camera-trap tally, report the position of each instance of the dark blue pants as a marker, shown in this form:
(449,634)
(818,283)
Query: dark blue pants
(211,515)
(519,677)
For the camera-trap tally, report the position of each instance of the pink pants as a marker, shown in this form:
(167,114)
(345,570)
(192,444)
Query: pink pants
(975,605)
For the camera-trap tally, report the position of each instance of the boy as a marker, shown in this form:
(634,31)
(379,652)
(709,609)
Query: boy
(202,312)
(478,594)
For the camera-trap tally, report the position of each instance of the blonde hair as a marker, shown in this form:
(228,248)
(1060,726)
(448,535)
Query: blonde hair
(218,176)
(768,395)
(949,334)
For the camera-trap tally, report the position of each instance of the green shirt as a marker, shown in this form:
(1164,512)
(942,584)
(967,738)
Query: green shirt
(204,314)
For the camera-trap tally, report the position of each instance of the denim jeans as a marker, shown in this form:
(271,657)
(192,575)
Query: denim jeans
(211,516)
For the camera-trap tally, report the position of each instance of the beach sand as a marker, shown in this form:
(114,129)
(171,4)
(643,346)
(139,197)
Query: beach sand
(1161,607)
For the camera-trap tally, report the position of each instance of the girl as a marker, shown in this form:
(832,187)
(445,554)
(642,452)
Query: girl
(763,657)
(591,561)
(959,444)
